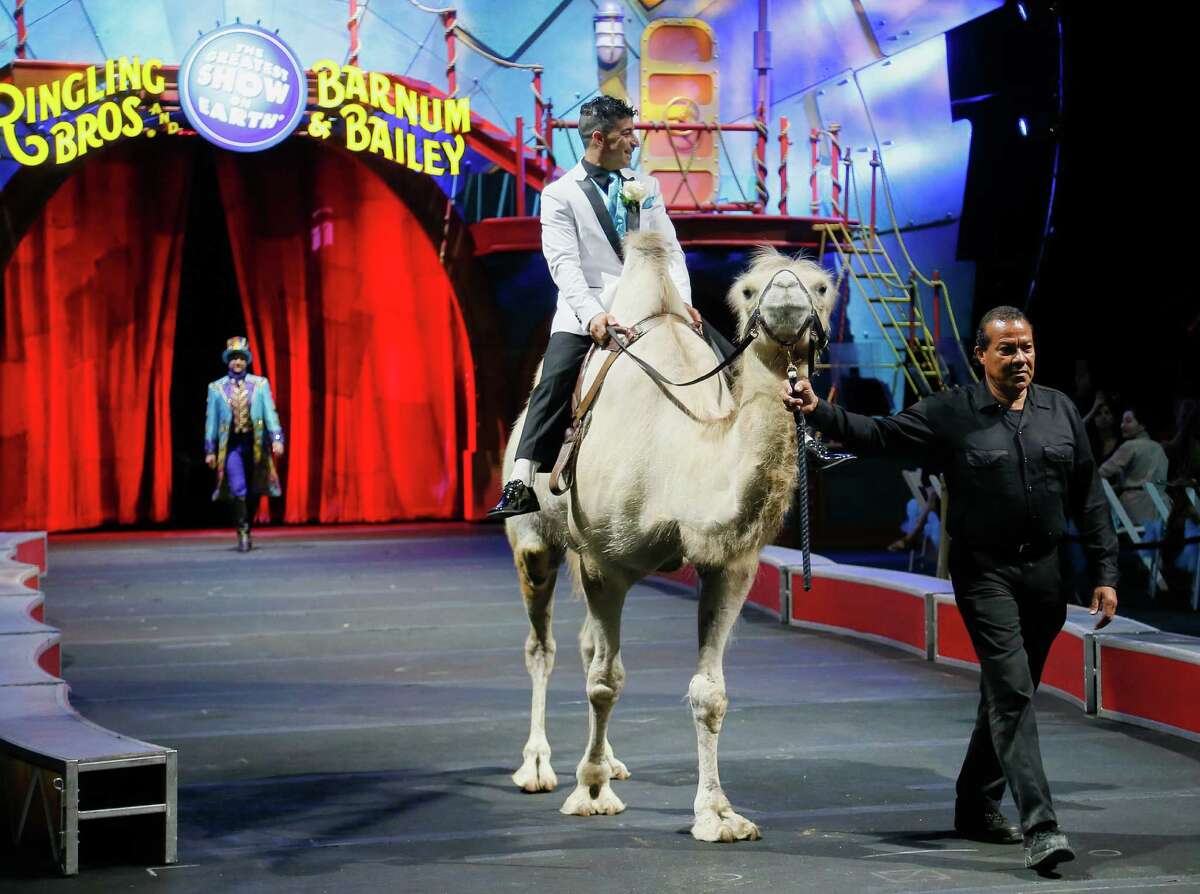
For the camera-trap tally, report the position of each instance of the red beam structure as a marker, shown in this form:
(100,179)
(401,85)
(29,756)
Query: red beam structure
(519,154)
(449,20)
(814,142)
(783,154)
(352,27)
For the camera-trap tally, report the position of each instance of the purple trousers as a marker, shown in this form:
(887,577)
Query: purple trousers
(239,463)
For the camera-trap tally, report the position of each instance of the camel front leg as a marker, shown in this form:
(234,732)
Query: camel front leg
(605,677)
(722,592)
(538,571)
(587,651)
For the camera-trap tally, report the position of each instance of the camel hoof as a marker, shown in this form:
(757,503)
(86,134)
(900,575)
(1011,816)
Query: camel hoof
(581,803)
(617,769)
(536,775)
(725,826)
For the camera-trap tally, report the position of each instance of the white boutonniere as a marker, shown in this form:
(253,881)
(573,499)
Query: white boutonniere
(633,193)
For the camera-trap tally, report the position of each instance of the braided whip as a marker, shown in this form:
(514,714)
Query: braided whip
(801,438)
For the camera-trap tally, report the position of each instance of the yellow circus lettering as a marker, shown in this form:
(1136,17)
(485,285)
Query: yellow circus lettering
(33,152)
(108,120)
(412,162)
(16,99)
(381,138)
(129,74)
(432,153)
(73,97)
(356,85)
(330,92)
(380,88)
(110,72)
(85,124)
(49,100)
(30,105)
(64,142)
(458,115)
(94,93)
(434,124)
(152,76)
(399,137)
(357,135)
(454,150)
(406,103)
(133,121)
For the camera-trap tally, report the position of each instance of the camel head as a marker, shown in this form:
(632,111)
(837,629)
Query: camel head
(785,291)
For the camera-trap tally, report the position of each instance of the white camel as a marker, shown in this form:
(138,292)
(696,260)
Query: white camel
(666,476)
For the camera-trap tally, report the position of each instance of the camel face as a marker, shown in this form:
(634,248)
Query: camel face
(785,291)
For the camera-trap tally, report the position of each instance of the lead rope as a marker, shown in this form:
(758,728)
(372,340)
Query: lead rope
(801,435)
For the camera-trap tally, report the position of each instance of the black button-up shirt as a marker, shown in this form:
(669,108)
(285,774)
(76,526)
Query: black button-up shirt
(1011,481)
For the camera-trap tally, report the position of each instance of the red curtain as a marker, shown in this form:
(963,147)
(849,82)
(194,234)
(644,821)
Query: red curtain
(90,298)
(354,320)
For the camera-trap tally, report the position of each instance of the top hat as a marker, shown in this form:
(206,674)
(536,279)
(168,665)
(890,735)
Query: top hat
(239,344)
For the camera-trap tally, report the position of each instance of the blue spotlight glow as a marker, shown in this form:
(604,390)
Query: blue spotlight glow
(1023,127)
(1022,12)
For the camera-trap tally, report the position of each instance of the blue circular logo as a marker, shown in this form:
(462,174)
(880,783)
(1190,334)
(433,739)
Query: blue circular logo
(242,88)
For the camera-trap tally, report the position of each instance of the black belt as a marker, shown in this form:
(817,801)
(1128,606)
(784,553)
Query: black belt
(1016,552)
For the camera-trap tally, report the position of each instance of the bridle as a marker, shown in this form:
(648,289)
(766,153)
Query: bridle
(816,344)
(820,338)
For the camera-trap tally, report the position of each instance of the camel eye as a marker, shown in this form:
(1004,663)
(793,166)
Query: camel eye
(822,289)
(747,291)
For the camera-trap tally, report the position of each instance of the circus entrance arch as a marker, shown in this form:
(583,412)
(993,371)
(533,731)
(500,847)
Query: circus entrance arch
(123,277)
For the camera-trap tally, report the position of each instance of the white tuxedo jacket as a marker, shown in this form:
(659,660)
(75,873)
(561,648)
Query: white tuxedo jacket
(581,247)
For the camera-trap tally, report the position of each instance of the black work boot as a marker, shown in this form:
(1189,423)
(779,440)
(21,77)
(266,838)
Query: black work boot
(241,521)
(1046,848)
(985,824)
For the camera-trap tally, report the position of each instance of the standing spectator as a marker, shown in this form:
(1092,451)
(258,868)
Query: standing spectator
(1138,460)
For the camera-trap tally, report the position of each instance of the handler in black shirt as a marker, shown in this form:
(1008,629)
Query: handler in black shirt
(1018,465)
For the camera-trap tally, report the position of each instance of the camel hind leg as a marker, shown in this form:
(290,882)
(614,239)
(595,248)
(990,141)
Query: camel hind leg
(537,570)
(722,592)
(605,678)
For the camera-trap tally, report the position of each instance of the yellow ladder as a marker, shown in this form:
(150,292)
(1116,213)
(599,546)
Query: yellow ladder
(893,300)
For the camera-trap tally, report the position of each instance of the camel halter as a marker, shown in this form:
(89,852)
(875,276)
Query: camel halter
(816,343)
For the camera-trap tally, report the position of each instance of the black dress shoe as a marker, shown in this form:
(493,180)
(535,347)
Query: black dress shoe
(821,456)
(516,499)
(1046,849)
(987,825)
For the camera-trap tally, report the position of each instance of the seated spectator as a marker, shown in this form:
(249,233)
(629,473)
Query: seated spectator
(1138,460)
(921,526)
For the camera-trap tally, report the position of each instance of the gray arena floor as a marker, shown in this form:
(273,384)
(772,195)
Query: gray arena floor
(347,707)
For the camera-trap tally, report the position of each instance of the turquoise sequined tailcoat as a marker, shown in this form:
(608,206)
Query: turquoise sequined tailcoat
(219,419)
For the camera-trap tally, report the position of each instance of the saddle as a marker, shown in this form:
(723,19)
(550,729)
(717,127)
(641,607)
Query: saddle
(562,475)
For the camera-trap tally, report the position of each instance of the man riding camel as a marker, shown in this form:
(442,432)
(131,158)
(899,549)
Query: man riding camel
(585,216)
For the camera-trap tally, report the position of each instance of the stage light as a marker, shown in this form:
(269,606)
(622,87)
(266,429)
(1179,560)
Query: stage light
(1022,12)
(1023,126)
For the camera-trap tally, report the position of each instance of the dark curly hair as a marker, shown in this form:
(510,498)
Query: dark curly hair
(602,114)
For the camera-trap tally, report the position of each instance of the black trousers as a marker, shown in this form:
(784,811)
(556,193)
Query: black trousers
(1013,610)
(549,411)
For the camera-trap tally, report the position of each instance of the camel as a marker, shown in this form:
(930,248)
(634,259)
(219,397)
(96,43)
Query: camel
(702,474)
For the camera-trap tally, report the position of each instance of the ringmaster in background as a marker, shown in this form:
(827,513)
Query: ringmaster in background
(1018,466)
(242,436)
